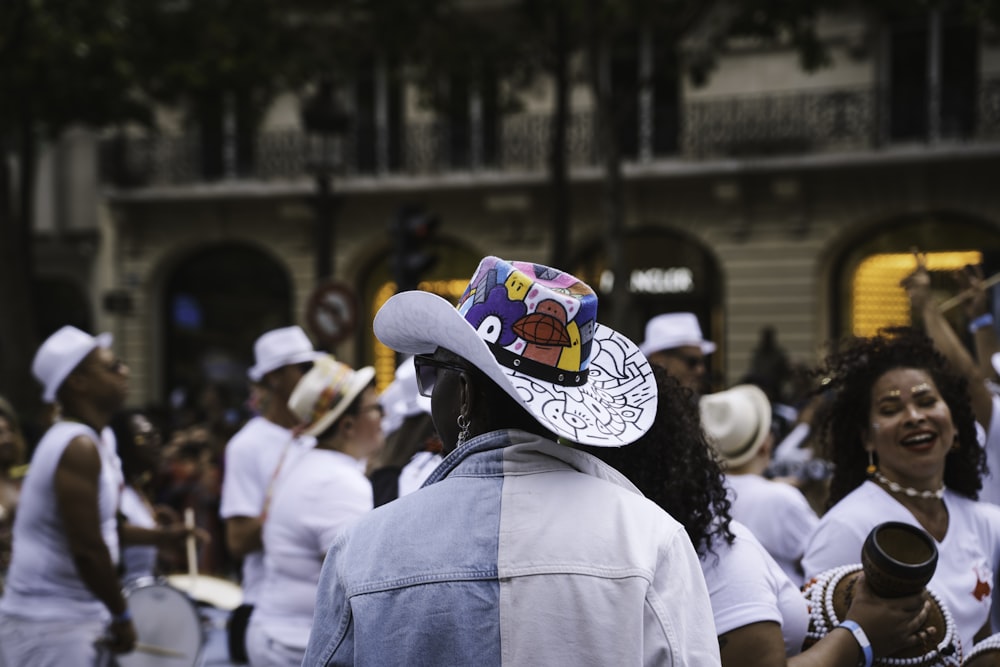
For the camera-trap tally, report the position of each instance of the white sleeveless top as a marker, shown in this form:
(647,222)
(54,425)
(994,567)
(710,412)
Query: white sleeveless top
(42,581)
(138,560)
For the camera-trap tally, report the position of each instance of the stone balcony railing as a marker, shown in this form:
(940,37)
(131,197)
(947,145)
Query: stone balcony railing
(796,123)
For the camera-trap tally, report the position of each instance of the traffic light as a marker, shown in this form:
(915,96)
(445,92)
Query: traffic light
(411,229)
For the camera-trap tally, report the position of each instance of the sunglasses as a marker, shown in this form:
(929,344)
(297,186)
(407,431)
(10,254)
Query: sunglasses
(427,372)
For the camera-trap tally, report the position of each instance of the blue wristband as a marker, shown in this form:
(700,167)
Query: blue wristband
(124,617)
(862,639)
(984,320)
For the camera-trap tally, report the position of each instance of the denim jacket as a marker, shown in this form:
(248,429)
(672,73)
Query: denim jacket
(517,551)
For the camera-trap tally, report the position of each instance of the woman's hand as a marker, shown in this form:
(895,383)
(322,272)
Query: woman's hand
(891,624)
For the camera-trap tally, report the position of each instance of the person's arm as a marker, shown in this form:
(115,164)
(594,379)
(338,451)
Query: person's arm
(890,626)
(917,286)
(243,535)
(981,324)
(163,537)
(77,490)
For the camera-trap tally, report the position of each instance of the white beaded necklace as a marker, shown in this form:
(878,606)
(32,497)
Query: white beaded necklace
(910,491)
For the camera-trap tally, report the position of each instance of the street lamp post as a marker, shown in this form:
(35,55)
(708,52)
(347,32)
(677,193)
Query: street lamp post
(325,122)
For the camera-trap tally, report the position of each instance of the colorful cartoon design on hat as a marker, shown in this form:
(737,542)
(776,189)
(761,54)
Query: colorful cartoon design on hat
(533,330)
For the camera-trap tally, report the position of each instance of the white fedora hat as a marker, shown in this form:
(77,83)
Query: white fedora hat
(670,330)
(60,354)
(533,330)
(323,393)
(281,347)
(402,399)
(736,421)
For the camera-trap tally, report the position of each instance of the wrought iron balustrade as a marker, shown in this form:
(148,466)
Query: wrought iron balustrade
(801,122)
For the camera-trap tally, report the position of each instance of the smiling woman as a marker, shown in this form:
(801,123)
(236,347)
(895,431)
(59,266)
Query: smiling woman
(902,437)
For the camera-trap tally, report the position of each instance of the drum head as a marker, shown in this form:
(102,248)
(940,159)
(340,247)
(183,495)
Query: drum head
(213,591)
(167,625)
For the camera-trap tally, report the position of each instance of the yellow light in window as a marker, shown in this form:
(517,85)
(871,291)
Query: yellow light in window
(877,298)
(385,358)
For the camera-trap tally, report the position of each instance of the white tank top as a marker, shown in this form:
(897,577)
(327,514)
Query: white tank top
(42,581)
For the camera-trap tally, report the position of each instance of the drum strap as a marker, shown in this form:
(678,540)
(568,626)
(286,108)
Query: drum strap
(269,493)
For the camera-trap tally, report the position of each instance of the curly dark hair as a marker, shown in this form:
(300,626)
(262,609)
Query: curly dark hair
(852,371)
(675,467)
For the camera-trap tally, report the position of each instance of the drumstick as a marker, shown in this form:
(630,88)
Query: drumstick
(158,650)
(948,304)
(192,555)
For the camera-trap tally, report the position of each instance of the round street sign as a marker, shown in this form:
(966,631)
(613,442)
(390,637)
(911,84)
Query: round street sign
(332,312)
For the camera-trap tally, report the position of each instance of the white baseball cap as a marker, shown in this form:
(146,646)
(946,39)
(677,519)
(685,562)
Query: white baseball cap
(60,354)
(672,330)
(281,347)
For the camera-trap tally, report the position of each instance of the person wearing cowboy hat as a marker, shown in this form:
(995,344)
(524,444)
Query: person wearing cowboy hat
(254,454)
(312,500)
(519,549)
(675,342)
(737,423)
(63,602)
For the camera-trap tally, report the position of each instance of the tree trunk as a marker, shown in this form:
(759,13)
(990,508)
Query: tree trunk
(613,201)
(17,313)
(558,166)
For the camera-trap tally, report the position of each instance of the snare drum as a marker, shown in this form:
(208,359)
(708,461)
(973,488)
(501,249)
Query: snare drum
(213,591)
(167,625)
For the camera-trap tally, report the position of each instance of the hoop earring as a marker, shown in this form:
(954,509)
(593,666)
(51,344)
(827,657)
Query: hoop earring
(870,470)
(463,429)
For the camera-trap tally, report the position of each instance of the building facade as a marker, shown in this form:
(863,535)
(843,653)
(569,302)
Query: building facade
(767,197)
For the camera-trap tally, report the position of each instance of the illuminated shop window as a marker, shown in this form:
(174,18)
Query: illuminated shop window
(385,358)
(877,298)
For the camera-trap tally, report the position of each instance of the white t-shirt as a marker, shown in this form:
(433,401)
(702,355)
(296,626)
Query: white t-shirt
(778,515)
(139,560)
(747,586)
(415,473)
(252,455)
(967,557)
(314,500)
(991,482)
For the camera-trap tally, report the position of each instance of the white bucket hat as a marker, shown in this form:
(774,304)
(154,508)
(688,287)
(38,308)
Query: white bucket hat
(60,354)
(323,393)
(671,330)
(533,330)
(402,399)
(281,347)
(736,421)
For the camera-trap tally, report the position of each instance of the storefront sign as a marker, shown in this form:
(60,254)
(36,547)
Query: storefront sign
(675,280)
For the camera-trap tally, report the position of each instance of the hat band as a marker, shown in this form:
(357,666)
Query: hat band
(746,447)
(537,370)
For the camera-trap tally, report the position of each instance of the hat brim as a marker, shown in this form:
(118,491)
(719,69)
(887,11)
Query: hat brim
(615,407)
(706,346)
(361,379)
(258,371)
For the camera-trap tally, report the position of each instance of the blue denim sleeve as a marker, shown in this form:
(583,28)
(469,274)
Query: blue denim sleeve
(331,641)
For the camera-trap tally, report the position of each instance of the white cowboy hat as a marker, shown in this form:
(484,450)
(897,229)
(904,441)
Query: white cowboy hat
(60,354)
(281,347)
(323,393)
(672,330)
(533,330)
(736,421)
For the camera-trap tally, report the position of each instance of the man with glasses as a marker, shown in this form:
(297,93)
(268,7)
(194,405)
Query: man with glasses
(254,457)
(63,603)
(675,342)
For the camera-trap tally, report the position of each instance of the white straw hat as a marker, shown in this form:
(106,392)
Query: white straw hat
(533,331)
(323,393)
(60,354)
(736,421)
(672,330)
(281,347)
